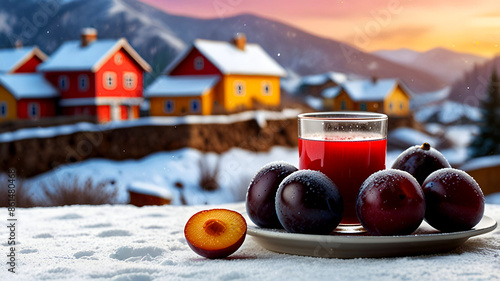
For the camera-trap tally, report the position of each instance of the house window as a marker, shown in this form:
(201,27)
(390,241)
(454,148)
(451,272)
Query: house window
(266,88)
(401,106)
(83,83)
(199,63)
(33,110)
(3,109)
(63,82)
(390,106)
(362,106)
(239,88)
(129,80)
(168,106)
(118,59)
(342,105)
(194,106)
(109,80)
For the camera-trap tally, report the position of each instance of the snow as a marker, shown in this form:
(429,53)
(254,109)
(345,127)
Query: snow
(48,132)
(409,137)
(9,58)
(124,242)
(164,170)
(71,56)
(448,112)
(149,189)
(331,93)
(492,198)
(314,102)
(367,90)
(319,79)
(24,86)
(181,85)
(231,60)
(481,163)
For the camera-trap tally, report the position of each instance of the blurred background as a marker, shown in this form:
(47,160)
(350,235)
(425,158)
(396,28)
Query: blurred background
(181,102)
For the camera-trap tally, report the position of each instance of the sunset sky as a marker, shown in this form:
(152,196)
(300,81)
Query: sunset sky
(463,26)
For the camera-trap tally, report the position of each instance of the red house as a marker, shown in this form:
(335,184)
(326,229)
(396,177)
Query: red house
(21,59)
(102,78)
(26,96)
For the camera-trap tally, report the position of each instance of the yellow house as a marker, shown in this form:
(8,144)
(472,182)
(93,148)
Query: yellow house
(387,96)
(217,77)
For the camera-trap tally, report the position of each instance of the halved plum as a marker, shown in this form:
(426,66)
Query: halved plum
(215,233)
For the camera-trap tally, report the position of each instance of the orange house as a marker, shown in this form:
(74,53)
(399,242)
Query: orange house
(388,96)
(101,78)
(21,59)
(215,76)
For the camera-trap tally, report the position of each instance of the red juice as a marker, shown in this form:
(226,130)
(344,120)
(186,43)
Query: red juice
(347,162)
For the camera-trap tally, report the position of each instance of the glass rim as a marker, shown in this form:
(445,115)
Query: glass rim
(343,116)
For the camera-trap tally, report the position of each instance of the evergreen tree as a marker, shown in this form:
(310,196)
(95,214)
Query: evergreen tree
(487,142)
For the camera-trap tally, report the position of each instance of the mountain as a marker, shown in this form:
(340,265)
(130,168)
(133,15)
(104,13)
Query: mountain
(447,65)
(159,37)
(472,88)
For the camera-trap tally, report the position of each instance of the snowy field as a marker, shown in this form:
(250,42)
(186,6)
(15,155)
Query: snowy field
(123,242)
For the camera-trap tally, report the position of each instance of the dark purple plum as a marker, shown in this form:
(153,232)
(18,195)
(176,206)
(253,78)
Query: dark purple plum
(454,200)
(420,161)
(309,202)
(261,193)
(390,202)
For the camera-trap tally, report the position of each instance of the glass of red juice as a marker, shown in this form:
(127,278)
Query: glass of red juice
(347,147)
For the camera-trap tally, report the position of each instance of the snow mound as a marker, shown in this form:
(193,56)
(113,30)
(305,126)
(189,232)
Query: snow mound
(481,162)
(448,112)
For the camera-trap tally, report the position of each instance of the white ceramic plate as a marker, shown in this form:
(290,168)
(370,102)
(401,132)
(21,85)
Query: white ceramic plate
(426,240)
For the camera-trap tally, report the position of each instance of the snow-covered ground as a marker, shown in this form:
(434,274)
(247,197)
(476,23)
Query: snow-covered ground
(123,242)
(165,169)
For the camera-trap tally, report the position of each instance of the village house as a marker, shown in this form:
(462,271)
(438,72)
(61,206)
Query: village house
(26,96)
(101,78)
(388,96)
(314,85)
(20,59)
(213,77)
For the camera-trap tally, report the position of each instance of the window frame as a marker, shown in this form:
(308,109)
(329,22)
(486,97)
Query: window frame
(4,109)
(31,106)
(60,80)
(133,79)
(105,80)
(85,78)
(199,63)
(266,85)
(165,105)
(239,88)
(196,102)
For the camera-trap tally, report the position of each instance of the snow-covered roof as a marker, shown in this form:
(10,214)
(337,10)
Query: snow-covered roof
(71,56)
(481,163)
(332,92)
(29,85)
(150,189)
(11,59)
(181,86)
(318,79)
(367,90)
(231,60)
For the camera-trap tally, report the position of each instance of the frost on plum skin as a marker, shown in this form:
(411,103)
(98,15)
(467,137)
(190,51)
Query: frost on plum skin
(261,193)
(420,161)
(454,200)
(309,202)
(390,202)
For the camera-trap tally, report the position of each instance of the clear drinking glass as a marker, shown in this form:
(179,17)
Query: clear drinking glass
(347,147)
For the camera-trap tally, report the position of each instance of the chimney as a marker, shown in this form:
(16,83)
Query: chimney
(18,44)
(88,36)
(374,79)
(240,40)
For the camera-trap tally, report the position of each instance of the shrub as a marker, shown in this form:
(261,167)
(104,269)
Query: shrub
(208,177)
(76,192)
